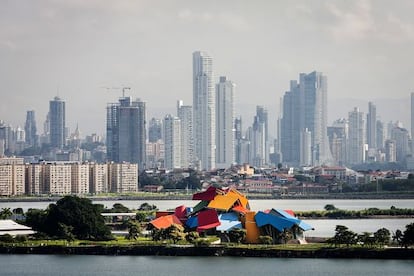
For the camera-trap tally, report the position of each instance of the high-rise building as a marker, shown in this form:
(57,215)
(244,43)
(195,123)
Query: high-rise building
(401,137)
(372,126)
(238,139)
(305,106)
(125,132)
(338,138)
(412,115)
(98,178)
(356,137)
(380,134)
(123,177)
(57,122)
(262,118)
(185,114)
(12,176)
(57,178)
(204,111)
(172,141)
(258,139)
(80,178)
(390,151)
(225,141)
(305,148)
(154,130)
(30,129)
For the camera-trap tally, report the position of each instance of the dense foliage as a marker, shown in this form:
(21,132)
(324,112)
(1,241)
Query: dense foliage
(71,217)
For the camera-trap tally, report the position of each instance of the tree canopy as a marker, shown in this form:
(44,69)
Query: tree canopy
(70,216)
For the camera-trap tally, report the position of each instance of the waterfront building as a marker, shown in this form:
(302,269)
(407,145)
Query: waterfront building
(34,179)
(225,116)
(372,126)
(123,177)
(185,114)
(356,137)
(12,177)
(98,178)
(30,129)
(172,140)
(305,106)
(154,130)
(126,134)
(57,125)
(57,178)
(80,178)
(204,111)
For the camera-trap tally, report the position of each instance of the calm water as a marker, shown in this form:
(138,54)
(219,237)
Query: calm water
(323,228)
(257,205)
(53,265)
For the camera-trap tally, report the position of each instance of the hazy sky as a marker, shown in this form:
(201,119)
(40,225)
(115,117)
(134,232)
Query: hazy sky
(75,48)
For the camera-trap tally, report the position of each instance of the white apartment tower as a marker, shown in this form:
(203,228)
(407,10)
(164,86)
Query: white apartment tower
(225,132)
(172,141)
(306,148)
(356,137)
(204,111)
(80,178)
(185,114)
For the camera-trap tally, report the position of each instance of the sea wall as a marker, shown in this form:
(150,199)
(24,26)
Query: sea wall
(360,253)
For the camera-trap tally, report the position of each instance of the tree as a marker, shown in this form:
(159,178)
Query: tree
(147,207)
(382,236)
(343,236)
(134,230)
(330,207)
(237,235)
(79,213)
(408,236)
(398,237)
(366,239)
(119,208)
(175,233)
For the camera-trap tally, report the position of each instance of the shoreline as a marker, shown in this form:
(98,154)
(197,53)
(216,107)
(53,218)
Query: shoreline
(217,251)
(189,197)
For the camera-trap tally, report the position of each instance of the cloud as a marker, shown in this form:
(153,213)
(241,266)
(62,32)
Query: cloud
(355,23)
(362,21)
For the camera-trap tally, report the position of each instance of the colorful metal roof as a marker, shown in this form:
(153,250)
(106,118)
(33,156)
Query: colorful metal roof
(228,221)
(207,219)
(165,221)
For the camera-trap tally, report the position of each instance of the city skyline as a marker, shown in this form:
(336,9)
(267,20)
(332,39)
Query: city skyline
(361,45)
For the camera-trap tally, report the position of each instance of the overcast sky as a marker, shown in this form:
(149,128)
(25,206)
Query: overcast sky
(75,48)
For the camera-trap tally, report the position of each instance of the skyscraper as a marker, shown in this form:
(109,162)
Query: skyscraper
(204,111)
(185,114)
(57,115)
(305,106)
(30,129)
(172,141)
(372,126)
(356,137)
(225,141)
(258,149)
(412,115)
(125,132)
(262,117)
(154,130)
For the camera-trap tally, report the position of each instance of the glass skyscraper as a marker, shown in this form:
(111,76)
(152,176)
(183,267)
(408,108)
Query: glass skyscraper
(57,122)
(125,131)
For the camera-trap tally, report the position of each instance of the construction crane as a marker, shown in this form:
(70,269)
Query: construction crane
(118,88)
